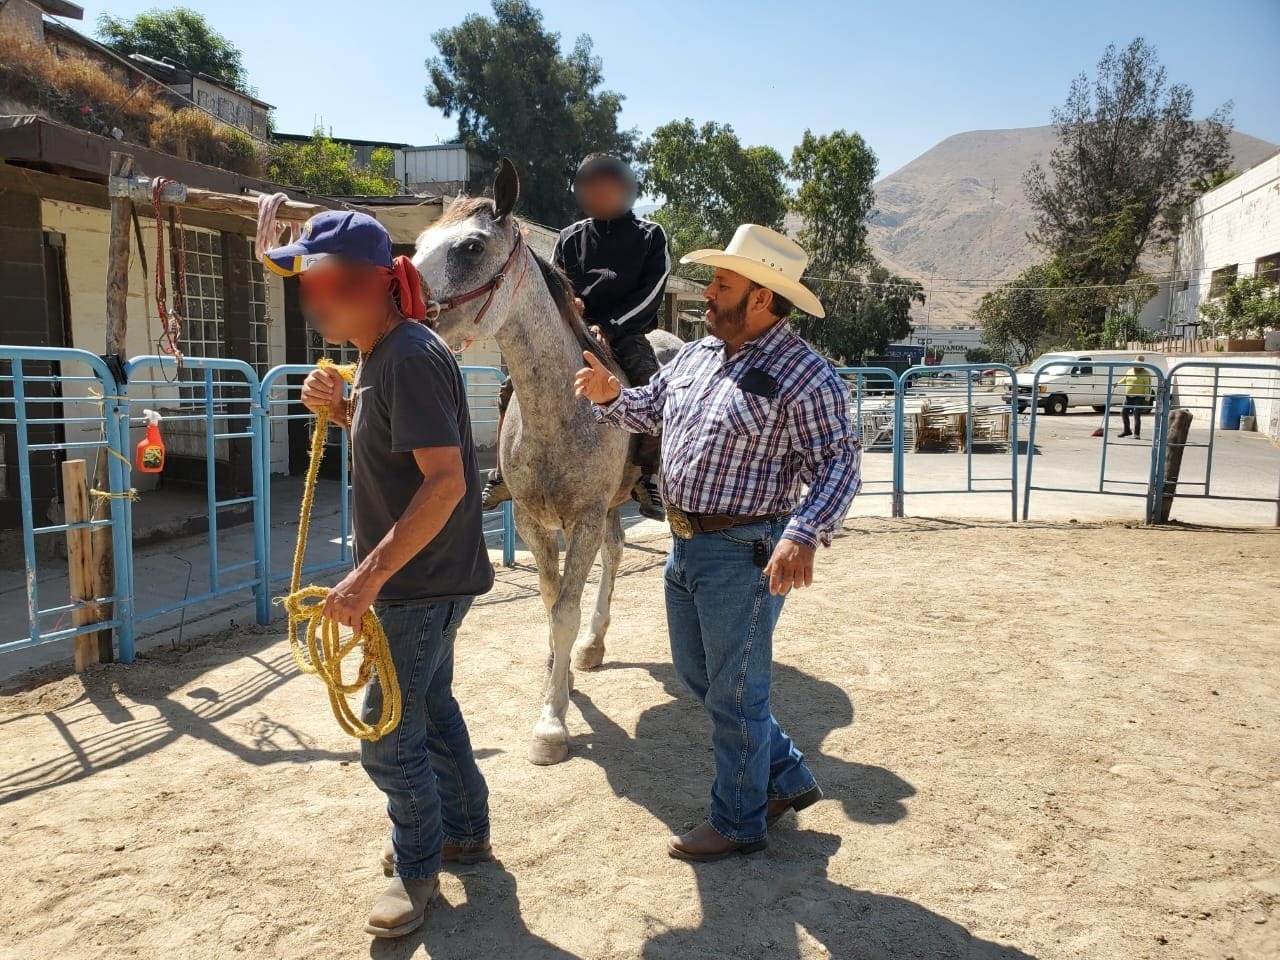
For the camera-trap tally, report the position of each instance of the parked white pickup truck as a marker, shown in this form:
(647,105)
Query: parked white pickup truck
(1077,378)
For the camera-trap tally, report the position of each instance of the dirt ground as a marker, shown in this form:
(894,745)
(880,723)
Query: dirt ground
(1036,741)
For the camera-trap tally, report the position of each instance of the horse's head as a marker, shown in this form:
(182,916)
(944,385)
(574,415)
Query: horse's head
(472,260)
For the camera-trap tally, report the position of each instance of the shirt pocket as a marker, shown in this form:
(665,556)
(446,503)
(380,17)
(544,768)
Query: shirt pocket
(749,414)
(680,396)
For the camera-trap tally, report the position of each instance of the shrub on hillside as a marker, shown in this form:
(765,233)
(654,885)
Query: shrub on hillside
(191,134)
(83,93)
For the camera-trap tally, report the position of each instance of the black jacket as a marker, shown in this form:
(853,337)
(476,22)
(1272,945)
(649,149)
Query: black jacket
(619,268)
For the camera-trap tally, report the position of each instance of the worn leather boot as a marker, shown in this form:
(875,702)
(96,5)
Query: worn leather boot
(449,853)
(495,491)
(402,907)
(704,844)
(645,493)
(779,807)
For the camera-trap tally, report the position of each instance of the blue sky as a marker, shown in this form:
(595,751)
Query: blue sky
(904,74)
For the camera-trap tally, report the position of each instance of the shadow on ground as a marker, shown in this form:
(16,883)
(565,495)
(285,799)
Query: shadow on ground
(181,713)
(668,773)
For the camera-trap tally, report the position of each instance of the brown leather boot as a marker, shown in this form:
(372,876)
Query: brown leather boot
(778,807)
(704,844)
(402,907)
(449,853)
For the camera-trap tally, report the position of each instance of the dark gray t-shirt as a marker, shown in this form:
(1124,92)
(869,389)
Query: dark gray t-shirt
(411,396)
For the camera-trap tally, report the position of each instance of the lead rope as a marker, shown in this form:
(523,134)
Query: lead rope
(324,649)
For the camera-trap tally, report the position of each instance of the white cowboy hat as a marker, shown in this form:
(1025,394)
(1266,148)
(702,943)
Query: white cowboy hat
(768,258)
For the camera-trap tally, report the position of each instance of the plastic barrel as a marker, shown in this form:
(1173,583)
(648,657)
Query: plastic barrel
(1234,406)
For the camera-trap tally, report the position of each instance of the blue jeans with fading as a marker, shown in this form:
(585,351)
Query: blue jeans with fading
(721,616)
(425,766)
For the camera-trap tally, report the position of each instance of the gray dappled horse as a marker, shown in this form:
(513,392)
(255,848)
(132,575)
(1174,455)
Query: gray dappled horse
(565,472)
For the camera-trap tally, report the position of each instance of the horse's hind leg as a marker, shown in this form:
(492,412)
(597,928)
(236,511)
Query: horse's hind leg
(588,652)
(550,735)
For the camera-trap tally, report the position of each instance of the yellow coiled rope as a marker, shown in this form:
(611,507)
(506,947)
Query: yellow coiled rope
(324,649)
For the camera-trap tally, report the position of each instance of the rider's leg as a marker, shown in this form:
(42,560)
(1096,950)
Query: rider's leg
(495,488)
(636,358)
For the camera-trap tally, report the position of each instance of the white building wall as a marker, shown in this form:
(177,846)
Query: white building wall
(1235,223)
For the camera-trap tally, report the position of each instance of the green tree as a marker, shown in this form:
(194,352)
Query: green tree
(1249,307)
(1121,326)
(1021,317)
(331,169)
(182,35)
(1129,157)
(863,315)
(979,355)
(835,199)
(709,183)
(516,94)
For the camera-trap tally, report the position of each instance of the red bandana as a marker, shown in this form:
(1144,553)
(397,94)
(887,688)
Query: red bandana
(406,288)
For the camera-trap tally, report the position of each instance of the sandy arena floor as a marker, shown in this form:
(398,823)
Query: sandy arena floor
(1051,742)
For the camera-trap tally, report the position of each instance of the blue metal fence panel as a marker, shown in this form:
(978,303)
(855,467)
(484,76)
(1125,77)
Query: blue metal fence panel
(1109,485)
(1201,387)
(874,392)
(948,390)
(81,379)
(281,403)
(220,399)
(483,385)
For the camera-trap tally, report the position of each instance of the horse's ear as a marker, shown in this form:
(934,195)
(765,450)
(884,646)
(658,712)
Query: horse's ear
(506,188)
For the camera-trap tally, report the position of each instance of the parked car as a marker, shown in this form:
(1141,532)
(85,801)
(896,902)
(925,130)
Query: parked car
(1076,378)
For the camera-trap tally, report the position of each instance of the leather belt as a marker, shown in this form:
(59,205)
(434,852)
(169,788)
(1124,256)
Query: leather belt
(685,525)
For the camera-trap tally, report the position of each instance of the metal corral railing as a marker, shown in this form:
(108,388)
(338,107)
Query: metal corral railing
(282,404)
(1203,386)
(1148,486)
(960,404)
(37,386)
(874,391)
(216,421)
(208,405)
(483,385)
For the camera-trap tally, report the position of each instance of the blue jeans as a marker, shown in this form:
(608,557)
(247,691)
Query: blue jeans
(425,766)
(721,616)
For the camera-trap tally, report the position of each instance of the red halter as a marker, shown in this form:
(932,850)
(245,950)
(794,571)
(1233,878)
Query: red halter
(487,290)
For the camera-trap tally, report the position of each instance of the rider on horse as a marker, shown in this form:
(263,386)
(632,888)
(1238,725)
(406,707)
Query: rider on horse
(618,265)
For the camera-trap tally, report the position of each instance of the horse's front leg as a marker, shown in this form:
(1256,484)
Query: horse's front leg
(588,652)
(550,735)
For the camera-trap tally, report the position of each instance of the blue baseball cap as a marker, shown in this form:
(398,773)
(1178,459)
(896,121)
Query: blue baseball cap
(333,233)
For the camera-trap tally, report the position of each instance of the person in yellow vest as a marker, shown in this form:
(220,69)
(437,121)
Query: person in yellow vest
(1137,399)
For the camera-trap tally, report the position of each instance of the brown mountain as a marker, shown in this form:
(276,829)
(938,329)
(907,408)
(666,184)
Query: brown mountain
(958,212)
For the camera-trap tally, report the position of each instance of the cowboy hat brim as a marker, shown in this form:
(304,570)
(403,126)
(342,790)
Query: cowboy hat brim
(799,295)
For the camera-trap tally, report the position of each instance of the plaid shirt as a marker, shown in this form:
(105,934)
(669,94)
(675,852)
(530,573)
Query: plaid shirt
(725,450)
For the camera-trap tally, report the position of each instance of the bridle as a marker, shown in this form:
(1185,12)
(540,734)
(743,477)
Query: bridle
(486,290)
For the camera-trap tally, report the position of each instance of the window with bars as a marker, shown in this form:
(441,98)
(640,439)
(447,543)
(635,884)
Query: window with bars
(204,331)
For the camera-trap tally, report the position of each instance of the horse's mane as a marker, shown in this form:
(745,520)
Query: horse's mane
(558,285)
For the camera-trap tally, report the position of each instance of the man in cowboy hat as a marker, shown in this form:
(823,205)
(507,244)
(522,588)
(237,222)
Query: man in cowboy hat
(749,415)
(618,265)
(419,541)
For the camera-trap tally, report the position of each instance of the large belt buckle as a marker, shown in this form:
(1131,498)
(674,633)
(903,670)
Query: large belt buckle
(679,521)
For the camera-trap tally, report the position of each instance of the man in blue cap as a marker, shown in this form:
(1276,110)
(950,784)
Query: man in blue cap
(618,265)
(419,546)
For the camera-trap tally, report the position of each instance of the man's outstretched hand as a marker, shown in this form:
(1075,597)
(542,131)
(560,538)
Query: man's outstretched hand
(595,382)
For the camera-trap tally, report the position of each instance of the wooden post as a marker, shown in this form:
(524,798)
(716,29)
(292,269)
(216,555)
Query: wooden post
(80,559)
(1179,427)
(117,331)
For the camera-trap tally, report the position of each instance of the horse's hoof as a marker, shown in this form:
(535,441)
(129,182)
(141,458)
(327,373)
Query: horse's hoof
(547,752)
(588,658)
